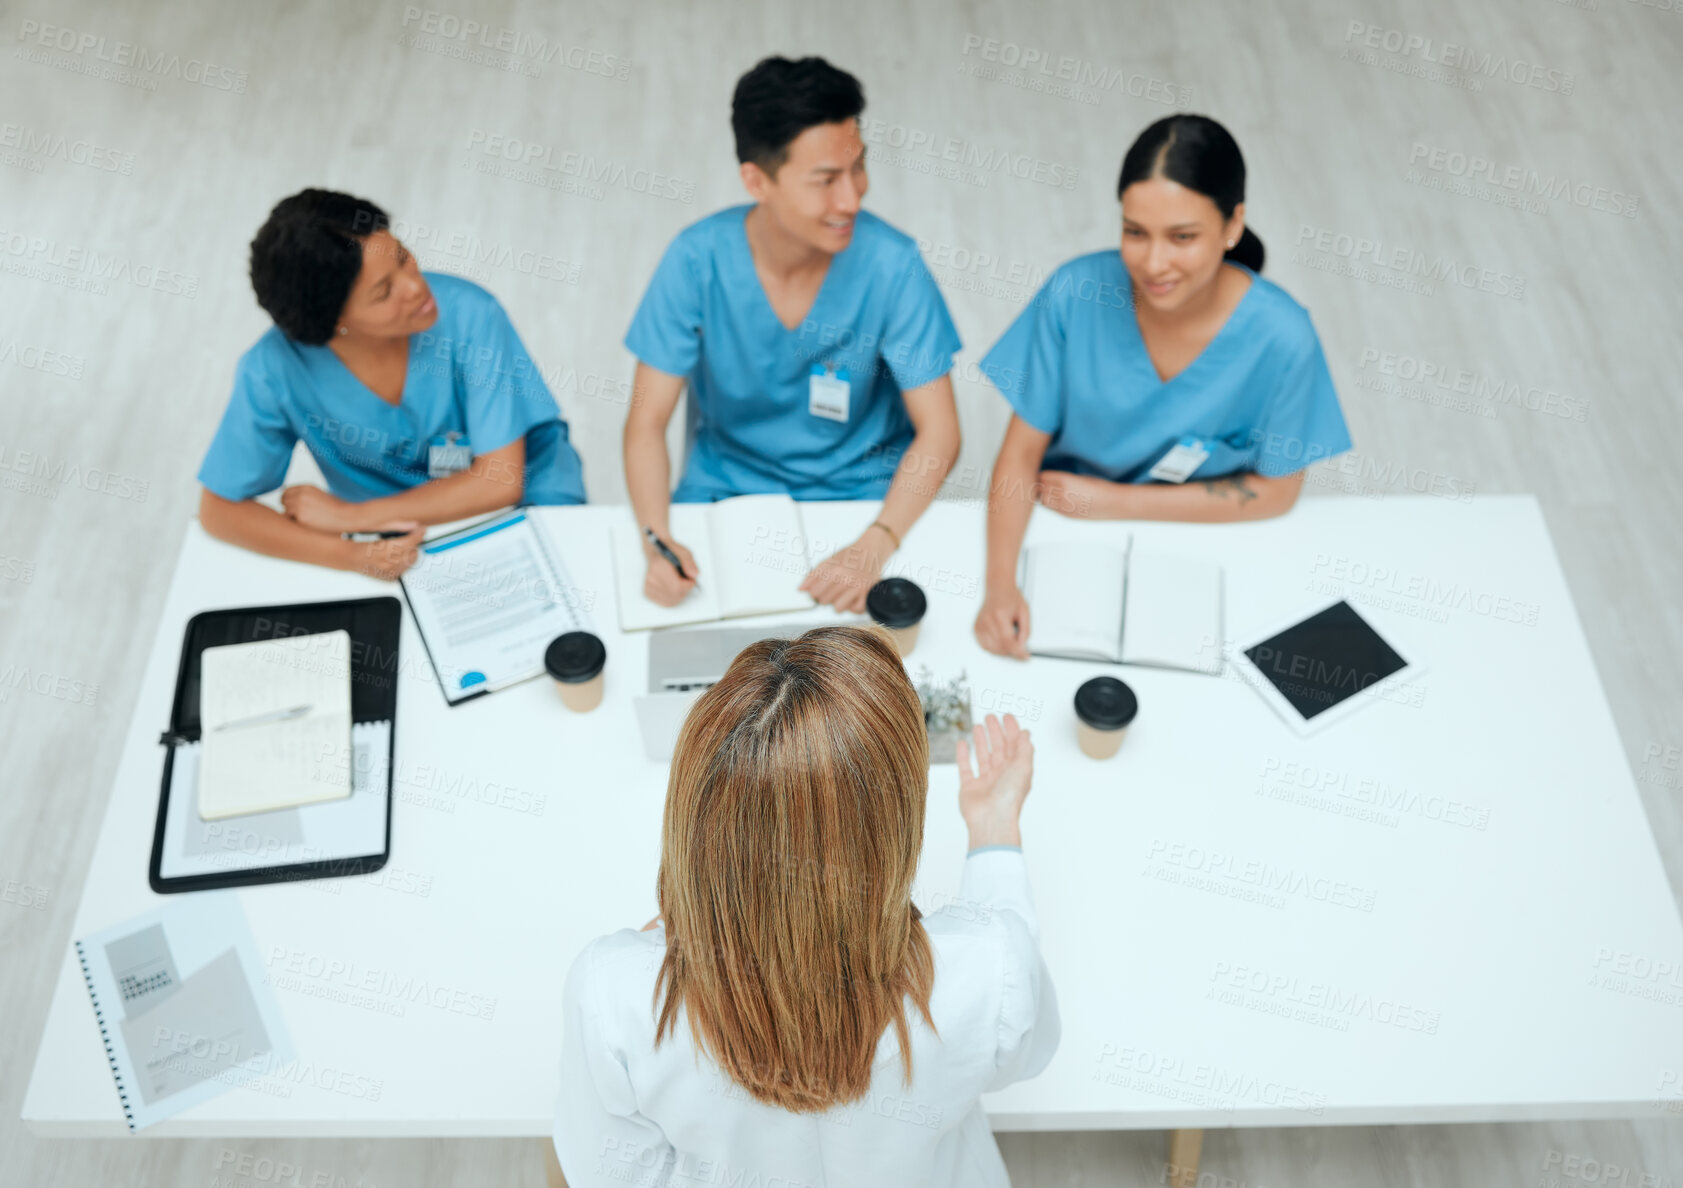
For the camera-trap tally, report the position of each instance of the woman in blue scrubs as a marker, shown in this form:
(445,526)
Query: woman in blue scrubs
(811,337)
(1169,381)
(412,391)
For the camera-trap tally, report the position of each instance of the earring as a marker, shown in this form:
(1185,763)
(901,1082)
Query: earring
(1230,243)
(342,330)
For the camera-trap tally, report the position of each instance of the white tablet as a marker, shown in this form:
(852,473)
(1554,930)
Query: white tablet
(1320,668)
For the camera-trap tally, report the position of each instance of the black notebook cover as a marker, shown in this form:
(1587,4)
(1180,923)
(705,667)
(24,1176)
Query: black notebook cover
(375,627)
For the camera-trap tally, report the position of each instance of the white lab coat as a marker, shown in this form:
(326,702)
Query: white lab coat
(631,1114)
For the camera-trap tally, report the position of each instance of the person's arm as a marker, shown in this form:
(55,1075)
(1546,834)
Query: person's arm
(251,525)
(1002,625)
(995,891)
(601,1136)
(1243,496)
(844,578)
(648,480)
(491,481)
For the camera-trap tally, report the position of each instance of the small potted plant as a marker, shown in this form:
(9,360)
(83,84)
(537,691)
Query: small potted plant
(946,713)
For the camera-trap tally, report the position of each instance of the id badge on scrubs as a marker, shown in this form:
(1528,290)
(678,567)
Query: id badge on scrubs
(448,455)
(1183,458)
(828,393)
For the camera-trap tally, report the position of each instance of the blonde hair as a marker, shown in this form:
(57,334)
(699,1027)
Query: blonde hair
(794,820)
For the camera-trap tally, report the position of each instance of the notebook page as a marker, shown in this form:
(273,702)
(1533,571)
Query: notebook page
(1174,612)
(250,765)
(690,527)
(488,601)
(1074,592)
(759,555)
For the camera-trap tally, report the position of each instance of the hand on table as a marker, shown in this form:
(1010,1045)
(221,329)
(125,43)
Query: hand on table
(1078,495)
(314,508)
(991,798)
(662,585)
(1002,625)
(844,578)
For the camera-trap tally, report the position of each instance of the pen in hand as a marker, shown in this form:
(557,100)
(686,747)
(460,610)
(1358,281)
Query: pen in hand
(665,550)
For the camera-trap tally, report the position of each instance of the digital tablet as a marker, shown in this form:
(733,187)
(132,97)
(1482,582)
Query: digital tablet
(1322,667)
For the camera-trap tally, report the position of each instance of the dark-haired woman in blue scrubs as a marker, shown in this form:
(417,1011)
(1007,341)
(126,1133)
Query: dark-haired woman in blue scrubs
(1169,381)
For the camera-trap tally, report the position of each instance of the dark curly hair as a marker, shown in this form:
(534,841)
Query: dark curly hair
(779,99)
(305,260)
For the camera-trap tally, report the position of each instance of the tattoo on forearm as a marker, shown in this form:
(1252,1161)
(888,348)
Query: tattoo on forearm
(1233,483)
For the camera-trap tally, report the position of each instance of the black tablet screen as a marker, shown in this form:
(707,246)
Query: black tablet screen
(1326,658)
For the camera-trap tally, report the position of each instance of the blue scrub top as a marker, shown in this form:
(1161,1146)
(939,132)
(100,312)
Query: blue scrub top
(878,321)
(469,375)
(1073,365)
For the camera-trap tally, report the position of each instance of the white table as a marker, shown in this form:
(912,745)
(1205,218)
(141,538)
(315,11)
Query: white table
(1508,919)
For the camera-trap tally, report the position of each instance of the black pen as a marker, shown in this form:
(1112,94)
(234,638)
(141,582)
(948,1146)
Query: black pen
(665,550)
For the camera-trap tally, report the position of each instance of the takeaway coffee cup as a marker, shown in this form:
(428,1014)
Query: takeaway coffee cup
(576,660)
(898,604)
(1103,708)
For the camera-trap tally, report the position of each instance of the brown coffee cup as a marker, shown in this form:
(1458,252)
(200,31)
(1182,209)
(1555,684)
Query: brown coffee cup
(1104,707)
(577,660)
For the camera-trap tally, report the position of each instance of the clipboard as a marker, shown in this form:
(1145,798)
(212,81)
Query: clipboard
(514,606)
(375,627)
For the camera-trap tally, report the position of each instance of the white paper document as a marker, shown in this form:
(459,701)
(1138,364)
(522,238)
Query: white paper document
(751,551)
(329,831)
(267,711)
(182,1006)
(488,600)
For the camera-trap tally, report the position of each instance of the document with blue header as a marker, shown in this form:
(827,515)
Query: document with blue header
(488,599)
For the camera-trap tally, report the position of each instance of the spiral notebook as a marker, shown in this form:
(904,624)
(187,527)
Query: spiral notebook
(183,1010)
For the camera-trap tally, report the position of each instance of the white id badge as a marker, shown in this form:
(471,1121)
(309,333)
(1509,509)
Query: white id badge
(1184,457)
(827,394)
(448,455)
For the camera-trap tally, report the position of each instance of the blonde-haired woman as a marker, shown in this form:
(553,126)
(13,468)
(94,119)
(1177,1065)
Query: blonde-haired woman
(790,1018)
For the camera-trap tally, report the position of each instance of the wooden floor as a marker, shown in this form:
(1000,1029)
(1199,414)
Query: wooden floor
(126,207)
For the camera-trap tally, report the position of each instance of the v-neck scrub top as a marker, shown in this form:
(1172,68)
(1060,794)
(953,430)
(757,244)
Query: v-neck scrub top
(1259,397)
(470,384)
(878,322)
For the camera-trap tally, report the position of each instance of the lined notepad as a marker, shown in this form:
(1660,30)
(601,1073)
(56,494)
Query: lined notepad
(274,715)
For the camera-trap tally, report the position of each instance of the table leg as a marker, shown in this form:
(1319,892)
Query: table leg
(1185,1149)
(552,1166)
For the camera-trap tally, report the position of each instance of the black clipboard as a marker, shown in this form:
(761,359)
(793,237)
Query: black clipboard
(375,627)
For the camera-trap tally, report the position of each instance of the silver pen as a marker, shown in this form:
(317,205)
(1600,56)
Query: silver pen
(280,715)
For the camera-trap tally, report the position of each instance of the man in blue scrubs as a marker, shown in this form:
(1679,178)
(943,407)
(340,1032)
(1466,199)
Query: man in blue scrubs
(412,391)
(811,336)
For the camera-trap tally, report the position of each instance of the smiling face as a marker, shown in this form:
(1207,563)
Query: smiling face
(390,298)
(815,194)
(1173,240)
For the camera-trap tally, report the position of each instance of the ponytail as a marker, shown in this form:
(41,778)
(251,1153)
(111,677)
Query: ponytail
(1248,251)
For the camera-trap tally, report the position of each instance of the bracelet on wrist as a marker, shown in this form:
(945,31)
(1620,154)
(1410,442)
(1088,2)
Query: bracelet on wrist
(892,535)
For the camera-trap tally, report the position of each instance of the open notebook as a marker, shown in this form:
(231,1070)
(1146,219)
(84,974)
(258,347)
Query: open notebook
(751,551)
(269,710)
(1129,606)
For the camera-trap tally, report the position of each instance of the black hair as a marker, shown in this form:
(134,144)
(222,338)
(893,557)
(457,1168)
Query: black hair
(779,99)
(306,258)
(1198,153)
